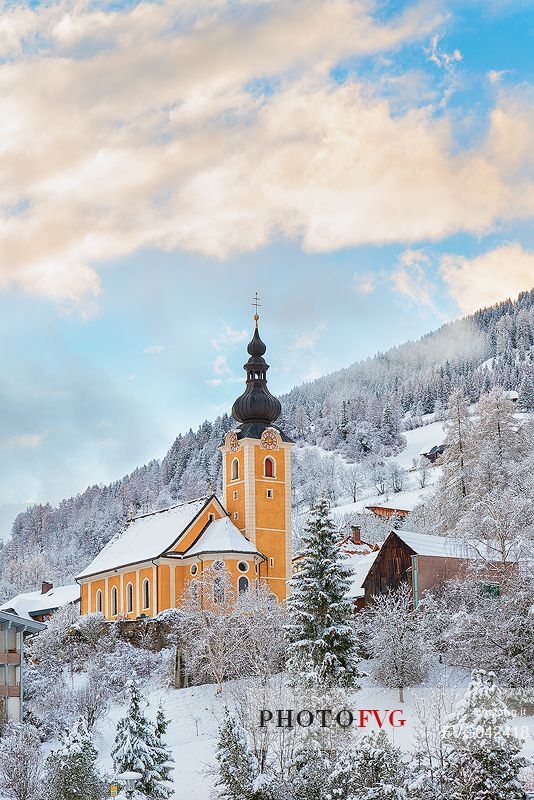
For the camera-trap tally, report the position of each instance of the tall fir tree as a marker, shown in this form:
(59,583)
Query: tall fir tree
(322,645)
(498,442)
(238,772)
(455,482)
(164,760)
(71,772)
(482,759)
(136,746)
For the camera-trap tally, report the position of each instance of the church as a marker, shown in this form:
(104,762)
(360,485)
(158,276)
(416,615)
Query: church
(146,567)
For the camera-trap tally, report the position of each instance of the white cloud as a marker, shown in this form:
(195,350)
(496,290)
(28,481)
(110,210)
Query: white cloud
(228,337)
(23,441)
(439,57)
(488,278)
(220,366)
(309,339)
(156,348)
(163,143)
(410,278)
(495,76)
(363,284)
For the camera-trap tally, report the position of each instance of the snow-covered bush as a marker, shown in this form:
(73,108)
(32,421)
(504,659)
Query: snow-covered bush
(20,763)
(396,641)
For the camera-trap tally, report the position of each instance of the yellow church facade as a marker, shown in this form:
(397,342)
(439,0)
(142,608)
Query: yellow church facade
(147,566)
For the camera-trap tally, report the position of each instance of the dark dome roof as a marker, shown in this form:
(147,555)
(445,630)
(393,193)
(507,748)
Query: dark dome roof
(256,404)
(256,347)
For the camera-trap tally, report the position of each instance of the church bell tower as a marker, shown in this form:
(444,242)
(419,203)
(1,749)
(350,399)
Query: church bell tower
(257,472)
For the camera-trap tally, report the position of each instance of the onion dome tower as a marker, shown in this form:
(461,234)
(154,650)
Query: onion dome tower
(257,471)
(256,404)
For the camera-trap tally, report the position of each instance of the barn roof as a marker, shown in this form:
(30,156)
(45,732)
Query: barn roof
(425,544)
(360,566)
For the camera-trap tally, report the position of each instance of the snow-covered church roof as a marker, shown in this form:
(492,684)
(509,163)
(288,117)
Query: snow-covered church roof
(145,537)
(149,536)
(30,604)
(221,536)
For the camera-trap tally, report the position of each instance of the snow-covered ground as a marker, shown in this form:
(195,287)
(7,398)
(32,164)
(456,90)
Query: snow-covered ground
(195,715)
(418,441)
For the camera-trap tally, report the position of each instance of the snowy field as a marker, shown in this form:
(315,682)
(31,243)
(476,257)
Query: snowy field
(195,714)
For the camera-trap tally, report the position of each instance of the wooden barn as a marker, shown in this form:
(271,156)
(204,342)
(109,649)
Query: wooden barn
(423,561)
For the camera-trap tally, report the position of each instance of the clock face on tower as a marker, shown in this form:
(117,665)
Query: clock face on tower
(269,440)
(233,442)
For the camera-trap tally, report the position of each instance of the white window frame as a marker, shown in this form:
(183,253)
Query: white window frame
(146,593)
(273,460)
(114,601)
(234,469)
(129,598)
(218,590)
(99,601)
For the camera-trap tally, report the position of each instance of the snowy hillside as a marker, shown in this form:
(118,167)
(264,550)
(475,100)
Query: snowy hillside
(195,714)
(359,415)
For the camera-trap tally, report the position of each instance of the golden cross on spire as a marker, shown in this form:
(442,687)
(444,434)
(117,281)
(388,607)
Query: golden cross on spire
(256,303)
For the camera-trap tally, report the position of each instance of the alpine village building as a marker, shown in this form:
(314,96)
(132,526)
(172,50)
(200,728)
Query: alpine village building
(147,566)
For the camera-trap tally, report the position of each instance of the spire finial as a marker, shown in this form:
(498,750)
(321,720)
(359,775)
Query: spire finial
(256,303)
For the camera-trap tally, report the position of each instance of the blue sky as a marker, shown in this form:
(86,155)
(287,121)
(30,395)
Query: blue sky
(367,168)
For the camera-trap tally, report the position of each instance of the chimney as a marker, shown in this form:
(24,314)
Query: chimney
(356,534)
(46,586)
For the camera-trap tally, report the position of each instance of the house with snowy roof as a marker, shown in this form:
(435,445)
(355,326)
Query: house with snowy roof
(13,630)
(42,604)
(425,562)
(147,566)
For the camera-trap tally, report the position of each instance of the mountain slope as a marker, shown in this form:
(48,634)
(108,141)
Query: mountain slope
(358,413)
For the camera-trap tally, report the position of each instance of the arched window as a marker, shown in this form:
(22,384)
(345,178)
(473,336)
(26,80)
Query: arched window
(235,469)
(129,598)
(99,601)
(146,594)
(114,602)
(218,589)
(242,584)
(269,469)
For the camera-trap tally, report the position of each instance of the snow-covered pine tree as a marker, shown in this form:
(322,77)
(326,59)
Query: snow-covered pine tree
(379,769)
(71,772)
(238,772)
(309,774)
(136,746)
(482,759)
(322,646)
(164,760)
